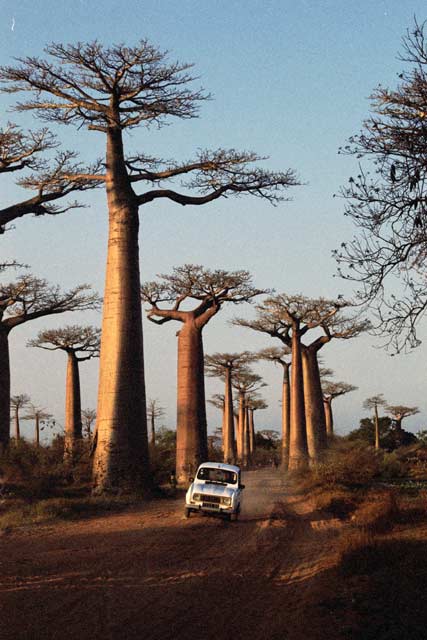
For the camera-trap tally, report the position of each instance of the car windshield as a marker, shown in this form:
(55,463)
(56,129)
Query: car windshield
(217,475)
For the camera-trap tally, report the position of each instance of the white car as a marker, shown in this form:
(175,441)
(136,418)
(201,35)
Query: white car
(215,489)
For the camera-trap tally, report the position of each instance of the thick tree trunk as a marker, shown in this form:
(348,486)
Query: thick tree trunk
(4,389)
(298,452)
(377,429)
(327,405)
(228,421)
(313,400)
(73,409)
(251,432)
(17,425)
(241,429)
(286,423)
(191,436)
(121,458)
(153,431)
(246,439)
(236,431)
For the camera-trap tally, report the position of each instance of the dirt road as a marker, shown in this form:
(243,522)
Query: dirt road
(151,574)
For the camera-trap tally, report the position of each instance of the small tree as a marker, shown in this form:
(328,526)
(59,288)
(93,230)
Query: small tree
(154,411)
(210,290)
(399,412)
(223,365)
(373,403)
(16,403)
(88,419)
(80,344)
(41,418)
(23,300)
(332,390)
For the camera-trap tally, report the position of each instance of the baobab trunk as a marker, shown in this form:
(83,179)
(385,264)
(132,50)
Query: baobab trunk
(228,421)
(241,429)
(285,418)
(251,431)
(37,430)
(17,426)
(153,431)
(313,400)
(327,405)
(191,430)
(298,453)
(4,389)
(121,457)
(377,429)
(73,409)
(246,440)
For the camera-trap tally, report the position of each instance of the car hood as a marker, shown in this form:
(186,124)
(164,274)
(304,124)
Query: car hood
(213,489)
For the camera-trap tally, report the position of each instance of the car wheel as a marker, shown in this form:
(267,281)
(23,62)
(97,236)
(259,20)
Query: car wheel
(187,513)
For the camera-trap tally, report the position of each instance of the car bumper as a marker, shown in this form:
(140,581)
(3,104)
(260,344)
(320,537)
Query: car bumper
(218,509)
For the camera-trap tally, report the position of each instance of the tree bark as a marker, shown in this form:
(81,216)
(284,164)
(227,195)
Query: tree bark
(241,429)
(327,405)
(251,432)
(73,409)
(17,426)
(121,459)
(228,421)
(153,431)
(313,400)
(37,425)
(191,436)
(298,452)
(377,428)
(4,389)
(246,441)
(286,424)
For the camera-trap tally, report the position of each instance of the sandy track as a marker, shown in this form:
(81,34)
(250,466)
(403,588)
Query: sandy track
(151,574)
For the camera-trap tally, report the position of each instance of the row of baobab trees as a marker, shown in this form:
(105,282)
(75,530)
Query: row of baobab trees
(192,295)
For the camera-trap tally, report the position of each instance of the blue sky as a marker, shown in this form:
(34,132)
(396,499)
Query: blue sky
(290,80)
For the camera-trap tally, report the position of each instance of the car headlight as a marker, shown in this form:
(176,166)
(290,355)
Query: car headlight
(197,497)
(226,501)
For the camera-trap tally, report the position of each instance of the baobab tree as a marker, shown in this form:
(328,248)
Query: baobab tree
(154,411)
(111,90)
(332,390)
(41,418)
(210,290)
(16,404)
(222,365)
(246,383)
(289,318)
(373,403)
(88,419)
(23,300)
(253,403)
(387,205)
(281,355)
(80,343)
(49,180)
(399,412)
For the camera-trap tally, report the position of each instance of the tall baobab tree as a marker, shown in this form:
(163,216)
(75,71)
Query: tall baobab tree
(88,419)
(332,390)
(17,403)
(289,318)
(50,181)
(253,403)
(40,416)
(222,365)
(154,411)
(210,290)
(387,205)
(111,90)
(246,383)
(373,403)
(80,343)
(399,412)
(281,355)
(25,299)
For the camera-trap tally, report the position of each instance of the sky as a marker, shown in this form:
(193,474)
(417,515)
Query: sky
(288,79)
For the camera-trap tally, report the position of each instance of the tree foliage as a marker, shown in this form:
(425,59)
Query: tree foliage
(83,341)
(387,201)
